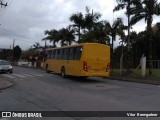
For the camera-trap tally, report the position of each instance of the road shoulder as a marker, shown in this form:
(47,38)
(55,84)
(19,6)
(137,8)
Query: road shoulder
(5,83)
(136,80)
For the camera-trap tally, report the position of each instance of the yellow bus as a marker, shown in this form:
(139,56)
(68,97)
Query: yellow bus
(86,59)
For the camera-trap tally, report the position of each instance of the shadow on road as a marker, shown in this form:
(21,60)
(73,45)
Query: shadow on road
(80,79)
(84,79)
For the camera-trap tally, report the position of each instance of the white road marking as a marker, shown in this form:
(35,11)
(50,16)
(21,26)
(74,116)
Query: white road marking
(36,74)
(9,76)
(23,75)
(19,80)
(19,75)
(4,119)
(27,75)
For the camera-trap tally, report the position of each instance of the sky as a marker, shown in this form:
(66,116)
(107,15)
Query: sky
(26,20)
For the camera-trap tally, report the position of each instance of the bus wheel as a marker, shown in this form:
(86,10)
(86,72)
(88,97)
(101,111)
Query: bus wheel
(63,72)
(47,71)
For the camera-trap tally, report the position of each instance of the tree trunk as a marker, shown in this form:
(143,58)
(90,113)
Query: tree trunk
(149,31)
(112,52)
(128,40)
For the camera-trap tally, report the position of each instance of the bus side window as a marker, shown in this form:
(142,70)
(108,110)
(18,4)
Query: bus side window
(60,54)
(71,53)
(49,53)
(65,55)
(78,53)
(56,54)
(53,54)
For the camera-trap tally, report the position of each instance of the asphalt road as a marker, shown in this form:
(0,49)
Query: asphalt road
(35,90)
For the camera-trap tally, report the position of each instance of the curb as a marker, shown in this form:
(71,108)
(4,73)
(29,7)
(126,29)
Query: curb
(4,84)
(144,81)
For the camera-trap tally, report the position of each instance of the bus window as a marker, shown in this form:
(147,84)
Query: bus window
(71,53)
(49,53)
(78,53)
(56,54)
(65,55)
(60,54)
(53,54)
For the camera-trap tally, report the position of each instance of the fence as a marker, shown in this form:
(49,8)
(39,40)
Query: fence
(153,69)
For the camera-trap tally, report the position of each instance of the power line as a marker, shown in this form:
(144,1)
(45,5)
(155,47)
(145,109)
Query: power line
(16,34)
(26,39)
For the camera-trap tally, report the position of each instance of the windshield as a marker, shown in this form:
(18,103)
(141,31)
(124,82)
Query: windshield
(4,63)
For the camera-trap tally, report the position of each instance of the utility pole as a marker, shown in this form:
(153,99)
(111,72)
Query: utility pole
(10,53)
(45,46)
(13,51)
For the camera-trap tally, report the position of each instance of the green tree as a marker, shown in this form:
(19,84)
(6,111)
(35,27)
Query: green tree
(126,4)
(66,35)
(146,9)
(36,50)
(78,20)
(52,36)
(86,24)
(70,38)
(91,18)
(113,30)
(5,54)
(156,41)
(117,53)
(17,53)
(97,34)
(36,46)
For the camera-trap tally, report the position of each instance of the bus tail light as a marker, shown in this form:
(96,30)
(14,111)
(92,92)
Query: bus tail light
(108,67)
(85,68)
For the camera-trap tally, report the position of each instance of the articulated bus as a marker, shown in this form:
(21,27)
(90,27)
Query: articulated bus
(85,60)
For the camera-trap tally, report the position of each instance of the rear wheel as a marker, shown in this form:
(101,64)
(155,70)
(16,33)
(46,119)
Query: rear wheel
(47,71)
(63,72)
(83,77)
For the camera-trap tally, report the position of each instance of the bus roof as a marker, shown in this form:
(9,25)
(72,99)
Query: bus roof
(81,44)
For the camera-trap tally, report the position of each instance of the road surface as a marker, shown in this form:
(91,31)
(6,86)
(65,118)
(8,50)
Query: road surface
(36,90)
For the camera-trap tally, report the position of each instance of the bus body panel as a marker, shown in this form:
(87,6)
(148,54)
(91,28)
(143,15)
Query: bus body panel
(73,67)
(96,57)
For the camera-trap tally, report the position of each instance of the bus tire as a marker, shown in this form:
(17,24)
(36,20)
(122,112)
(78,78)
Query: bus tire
(63,72)
(83,77)
(47,71)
